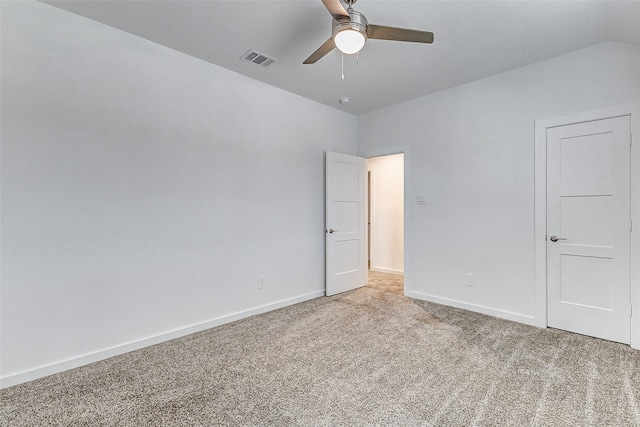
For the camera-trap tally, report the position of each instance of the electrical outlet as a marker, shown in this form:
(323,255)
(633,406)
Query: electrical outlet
(260,282)
(470,279)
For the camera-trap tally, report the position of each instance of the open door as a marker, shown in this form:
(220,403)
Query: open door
(346,256)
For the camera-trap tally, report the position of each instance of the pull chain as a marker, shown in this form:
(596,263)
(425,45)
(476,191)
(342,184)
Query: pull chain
(342,69)
(358,58)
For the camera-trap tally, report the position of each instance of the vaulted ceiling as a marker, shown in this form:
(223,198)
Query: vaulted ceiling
(473,40)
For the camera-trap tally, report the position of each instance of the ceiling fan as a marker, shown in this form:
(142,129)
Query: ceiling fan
(351,31)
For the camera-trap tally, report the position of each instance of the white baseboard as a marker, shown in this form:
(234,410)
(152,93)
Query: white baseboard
(502,314)
(386,270)
(85,359)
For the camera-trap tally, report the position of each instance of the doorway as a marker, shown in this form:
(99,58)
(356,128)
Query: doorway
(385,219)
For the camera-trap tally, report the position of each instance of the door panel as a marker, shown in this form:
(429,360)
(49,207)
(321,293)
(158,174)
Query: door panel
(581,278)
(346,260)
(580,170)
(588,209)
(586,220)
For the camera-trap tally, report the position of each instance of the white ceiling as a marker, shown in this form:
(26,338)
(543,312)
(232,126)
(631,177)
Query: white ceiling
(473,40)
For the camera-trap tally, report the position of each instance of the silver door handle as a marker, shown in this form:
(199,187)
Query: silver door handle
(555,238)
(331,230)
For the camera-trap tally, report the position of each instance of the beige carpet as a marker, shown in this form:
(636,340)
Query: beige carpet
(366,357)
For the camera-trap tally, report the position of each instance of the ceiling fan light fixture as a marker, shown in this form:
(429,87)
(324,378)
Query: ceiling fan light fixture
(350,34)
(349,41)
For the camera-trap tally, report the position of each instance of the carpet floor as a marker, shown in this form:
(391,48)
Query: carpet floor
(362,358)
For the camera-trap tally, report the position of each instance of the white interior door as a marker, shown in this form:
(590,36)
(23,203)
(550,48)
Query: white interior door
(346,257)
(588,228)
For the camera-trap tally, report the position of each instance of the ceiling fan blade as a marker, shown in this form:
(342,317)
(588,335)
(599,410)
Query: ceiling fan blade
(335,8)
(327,47)
(381,32)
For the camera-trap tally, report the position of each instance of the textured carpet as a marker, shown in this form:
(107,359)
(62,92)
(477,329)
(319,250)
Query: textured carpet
(366,357)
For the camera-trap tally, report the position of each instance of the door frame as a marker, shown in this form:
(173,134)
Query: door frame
(540,206)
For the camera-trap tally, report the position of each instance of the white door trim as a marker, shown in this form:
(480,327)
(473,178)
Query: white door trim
(540,206)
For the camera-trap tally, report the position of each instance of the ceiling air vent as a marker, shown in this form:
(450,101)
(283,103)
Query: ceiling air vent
(258,58)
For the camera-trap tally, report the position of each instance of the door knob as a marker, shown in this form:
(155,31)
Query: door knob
(331,231)
(555,238)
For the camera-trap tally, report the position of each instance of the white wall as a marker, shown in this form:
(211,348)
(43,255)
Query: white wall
(387,213)
(471,153)
(144,191)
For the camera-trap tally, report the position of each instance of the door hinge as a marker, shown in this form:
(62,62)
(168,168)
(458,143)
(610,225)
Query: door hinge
(630,310)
